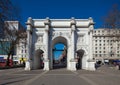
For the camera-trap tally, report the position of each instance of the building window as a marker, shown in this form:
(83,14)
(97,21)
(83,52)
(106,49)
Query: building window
(21,51)
(99,51)
(104,51)
(95,51)
(100,44)
(25,51)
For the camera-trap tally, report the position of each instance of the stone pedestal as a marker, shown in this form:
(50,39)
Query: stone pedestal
(91,65)
(73,65)
(28,65)
(46,65)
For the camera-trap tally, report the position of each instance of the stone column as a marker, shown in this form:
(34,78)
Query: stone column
(91,61)
(90,44)
(46,57)
(72,60)
(28,63)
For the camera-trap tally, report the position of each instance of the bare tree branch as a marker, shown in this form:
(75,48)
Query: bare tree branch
(112,20)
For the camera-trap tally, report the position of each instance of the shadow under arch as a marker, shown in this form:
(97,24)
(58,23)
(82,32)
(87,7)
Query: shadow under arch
(38,59)
(80,54)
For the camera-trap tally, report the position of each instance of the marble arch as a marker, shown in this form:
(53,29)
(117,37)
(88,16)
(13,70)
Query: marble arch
(75,33)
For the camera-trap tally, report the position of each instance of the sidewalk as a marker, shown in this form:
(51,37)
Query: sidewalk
(108,69)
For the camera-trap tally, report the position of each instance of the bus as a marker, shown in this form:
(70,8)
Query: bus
(3,62)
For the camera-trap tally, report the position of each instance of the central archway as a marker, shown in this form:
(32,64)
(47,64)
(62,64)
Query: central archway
(61,62)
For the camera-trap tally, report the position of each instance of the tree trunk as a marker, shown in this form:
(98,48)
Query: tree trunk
(12,59)
(8,60)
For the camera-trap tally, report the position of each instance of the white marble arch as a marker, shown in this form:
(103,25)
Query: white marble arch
(45,33)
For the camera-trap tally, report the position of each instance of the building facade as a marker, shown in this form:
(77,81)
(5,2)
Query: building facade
(106,44)
(20,48)
(75,34)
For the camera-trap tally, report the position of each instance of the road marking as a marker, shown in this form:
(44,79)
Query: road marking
(75,72)
(85,78)
(88,80)
(35,78)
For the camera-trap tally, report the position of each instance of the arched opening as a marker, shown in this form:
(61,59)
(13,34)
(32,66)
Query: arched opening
(59,53)
(80,54)
(38,59)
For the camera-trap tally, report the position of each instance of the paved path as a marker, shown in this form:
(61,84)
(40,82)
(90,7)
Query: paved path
(103,76)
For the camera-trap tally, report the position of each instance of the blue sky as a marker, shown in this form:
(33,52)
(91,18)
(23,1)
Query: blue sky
(58,46)
(65,9)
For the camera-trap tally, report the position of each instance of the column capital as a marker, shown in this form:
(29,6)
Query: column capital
(73,27)
(29,24)
(46,28)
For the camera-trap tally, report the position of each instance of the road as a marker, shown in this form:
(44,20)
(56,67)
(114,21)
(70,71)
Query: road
(102,76)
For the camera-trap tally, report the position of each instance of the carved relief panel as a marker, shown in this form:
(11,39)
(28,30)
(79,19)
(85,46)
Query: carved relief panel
(80,40)
(40,39)
(56,34)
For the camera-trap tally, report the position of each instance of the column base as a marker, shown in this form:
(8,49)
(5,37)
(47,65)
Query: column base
(73,65)
(28,65)
(91,65)
(46,65)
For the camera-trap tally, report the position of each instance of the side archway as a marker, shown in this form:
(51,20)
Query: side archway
(38,59)
(80,54)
